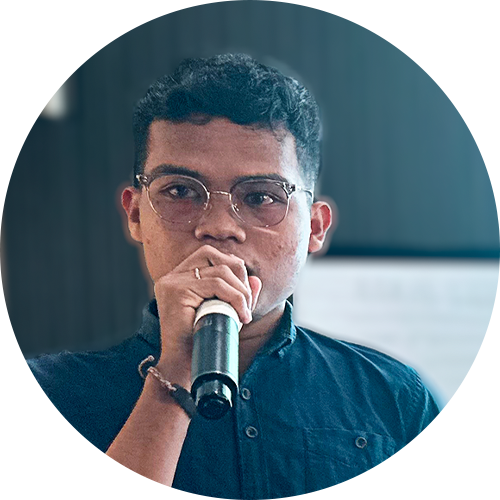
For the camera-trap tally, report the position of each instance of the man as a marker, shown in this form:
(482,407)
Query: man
(227,154)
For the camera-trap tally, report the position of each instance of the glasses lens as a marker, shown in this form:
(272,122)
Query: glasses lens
(260,203)
(177,198)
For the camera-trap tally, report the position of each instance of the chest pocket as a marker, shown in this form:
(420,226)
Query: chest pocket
(336,455)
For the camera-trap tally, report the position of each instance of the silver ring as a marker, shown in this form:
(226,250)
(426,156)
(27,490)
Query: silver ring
(197,273)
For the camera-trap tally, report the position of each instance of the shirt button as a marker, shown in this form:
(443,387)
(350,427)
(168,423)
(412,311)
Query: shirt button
(251,432)
(245,394)
(361,442)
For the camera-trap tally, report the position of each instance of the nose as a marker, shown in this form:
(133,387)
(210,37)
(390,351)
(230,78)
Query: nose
(219,221)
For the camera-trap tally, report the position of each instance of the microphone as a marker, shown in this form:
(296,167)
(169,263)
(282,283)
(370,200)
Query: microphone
(214,367)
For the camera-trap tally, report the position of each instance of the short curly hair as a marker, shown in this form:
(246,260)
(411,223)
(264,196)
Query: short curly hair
(236,87)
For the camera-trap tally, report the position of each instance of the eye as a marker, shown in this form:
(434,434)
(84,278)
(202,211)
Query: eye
(179,191)
(258,199)
(262,194)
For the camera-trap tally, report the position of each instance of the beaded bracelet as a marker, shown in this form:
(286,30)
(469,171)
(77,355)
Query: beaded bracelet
(180,395)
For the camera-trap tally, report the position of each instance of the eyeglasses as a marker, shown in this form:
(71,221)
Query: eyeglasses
(183,200)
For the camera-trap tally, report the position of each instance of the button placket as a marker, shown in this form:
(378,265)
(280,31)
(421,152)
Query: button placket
(250,430)
(254,474)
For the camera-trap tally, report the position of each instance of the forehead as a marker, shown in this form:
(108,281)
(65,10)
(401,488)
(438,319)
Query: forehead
(221,150)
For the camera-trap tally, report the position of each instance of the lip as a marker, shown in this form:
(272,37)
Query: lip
(251,271)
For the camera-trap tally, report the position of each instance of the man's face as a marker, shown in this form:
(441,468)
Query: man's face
(220,153)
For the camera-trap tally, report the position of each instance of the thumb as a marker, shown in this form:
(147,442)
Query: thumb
(256,287)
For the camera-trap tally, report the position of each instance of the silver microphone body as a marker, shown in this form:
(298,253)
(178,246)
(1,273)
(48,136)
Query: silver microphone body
(214,367)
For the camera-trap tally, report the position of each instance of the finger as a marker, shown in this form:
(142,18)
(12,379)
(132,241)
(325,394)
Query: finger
(236,264)
(190,292)
(210,287)
(208,256)
(227,274)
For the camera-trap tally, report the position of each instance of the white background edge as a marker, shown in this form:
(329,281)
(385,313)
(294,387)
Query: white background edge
(456,43)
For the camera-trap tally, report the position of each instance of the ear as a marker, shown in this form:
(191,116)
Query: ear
(130,202)
(323,218)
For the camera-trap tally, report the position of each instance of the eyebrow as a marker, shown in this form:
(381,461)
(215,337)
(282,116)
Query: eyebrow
(167,168)
(257,177)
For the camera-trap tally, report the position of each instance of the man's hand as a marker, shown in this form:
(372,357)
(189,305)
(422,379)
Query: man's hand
(180,292)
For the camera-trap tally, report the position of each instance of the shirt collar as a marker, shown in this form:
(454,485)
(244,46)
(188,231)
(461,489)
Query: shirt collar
(150,326)
(282,338)
(284,335)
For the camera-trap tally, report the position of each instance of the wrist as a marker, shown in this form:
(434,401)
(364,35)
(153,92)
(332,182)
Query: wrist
(164,388)
(176,369)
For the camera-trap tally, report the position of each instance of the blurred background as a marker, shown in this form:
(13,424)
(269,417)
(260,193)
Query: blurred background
(412,269)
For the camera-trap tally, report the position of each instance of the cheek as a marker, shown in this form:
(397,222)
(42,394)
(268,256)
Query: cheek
(285,256)
(161,249)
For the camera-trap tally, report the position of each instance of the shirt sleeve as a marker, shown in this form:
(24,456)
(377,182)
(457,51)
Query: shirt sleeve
(423,407)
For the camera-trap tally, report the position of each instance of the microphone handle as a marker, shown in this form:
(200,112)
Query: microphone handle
(214,370)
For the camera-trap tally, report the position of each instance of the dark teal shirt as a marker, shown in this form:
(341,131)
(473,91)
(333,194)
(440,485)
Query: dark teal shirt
(312,411)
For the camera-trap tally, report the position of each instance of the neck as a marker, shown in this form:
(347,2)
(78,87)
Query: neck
(256,334)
